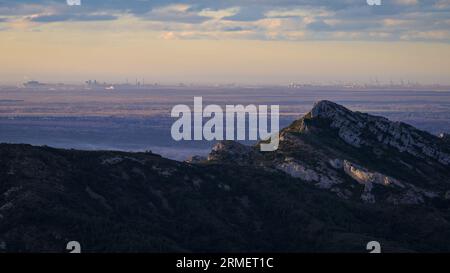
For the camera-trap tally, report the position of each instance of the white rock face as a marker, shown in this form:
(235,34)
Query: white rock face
(297,170)
(410,194)
(231,150)
(336,163)
(368,178)
(404,138)
(365,176)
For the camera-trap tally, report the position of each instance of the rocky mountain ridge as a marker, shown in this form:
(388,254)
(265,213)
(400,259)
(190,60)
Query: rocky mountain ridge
(331,145)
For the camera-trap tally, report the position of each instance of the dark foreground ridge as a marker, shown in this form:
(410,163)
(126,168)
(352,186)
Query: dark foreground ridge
(339,180)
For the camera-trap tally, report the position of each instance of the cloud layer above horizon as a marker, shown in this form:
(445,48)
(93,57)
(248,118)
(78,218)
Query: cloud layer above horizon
(284,20)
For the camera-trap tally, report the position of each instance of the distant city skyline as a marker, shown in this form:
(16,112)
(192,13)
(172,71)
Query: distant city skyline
(243,42)
(141,83)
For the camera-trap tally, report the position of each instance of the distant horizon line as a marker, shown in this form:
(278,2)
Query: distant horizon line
(293,84)
(92,84)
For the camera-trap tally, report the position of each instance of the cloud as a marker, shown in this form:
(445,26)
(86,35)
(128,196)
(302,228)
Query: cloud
(230,29)
(71,17)
(3,26)
(407,2)
(178,13)
(395,20)
(427,35)
(219,14)
(442,4)
(299,12)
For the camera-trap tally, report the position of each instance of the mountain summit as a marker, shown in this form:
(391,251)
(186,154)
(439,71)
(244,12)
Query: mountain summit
(355,155)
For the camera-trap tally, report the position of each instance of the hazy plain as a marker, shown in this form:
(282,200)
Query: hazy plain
(138,119)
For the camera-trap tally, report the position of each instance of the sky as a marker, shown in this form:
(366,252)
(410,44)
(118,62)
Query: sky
(230,41)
